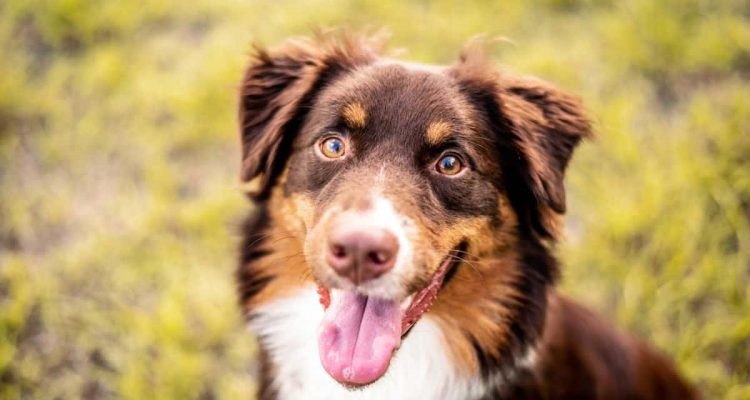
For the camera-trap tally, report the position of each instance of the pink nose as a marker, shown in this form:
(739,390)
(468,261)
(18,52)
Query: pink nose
(360,255)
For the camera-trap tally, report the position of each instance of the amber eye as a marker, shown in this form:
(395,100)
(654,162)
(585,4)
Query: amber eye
(332,147)
(449,165)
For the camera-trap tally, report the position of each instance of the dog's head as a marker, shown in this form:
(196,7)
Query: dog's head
(391,174)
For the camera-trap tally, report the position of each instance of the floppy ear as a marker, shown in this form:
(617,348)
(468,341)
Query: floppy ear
(536,127)
(277,90)
(543,126)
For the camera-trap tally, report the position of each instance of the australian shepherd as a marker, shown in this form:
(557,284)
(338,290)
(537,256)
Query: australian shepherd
(402,240)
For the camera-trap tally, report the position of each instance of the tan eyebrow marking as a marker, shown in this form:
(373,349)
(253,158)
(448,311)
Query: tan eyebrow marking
(354,115)
(437,132)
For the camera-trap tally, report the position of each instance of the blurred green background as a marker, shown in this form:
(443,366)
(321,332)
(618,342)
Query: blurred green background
(119,203)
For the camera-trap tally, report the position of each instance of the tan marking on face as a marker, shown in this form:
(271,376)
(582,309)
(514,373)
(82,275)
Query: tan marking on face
(292,213)
(295,213)
(468,310)
(507,235)
(437,132)
(283,242)
(285,263)
(354,115)
(465,308)
(475,229)
(252,186)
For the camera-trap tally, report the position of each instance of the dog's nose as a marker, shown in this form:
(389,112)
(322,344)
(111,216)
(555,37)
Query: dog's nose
(361,255)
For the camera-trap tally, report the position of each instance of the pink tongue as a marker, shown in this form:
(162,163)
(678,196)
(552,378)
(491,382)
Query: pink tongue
(357,337)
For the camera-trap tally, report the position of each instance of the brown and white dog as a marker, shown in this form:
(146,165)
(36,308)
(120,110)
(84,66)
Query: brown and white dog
(402,241)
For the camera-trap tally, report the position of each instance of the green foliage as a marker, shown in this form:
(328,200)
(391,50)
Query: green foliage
(118,206)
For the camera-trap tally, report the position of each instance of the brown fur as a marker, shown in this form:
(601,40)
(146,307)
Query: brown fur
(503,215)
(354,116)
(437,132)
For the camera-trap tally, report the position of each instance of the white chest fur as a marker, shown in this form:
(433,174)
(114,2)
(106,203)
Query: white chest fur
(420,369)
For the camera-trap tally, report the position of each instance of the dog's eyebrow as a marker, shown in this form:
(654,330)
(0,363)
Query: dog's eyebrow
(354,115)
(437,132)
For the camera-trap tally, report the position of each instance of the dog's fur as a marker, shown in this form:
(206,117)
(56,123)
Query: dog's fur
(497,329)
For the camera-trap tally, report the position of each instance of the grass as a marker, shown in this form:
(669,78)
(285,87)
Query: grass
(118,159)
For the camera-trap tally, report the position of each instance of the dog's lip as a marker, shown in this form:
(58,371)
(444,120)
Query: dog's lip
(418,303)
(422,300)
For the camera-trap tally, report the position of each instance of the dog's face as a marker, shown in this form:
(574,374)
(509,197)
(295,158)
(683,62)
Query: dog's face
(390,175)
(390,179)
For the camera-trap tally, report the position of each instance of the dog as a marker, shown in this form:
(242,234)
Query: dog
(402,240)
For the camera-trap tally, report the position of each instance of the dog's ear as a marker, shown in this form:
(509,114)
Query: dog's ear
(536,128)
(277,89)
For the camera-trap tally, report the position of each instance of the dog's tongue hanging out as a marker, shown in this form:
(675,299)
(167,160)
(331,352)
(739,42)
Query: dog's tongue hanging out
(358,336)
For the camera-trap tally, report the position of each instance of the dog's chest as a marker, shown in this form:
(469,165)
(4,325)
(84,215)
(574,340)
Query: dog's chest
(421,369)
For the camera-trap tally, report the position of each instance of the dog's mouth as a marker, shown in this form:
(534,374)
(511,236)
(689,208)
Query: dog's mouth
(359,334)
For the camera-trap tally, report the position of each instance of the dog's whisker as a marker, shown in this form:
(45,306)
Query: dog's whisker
(262,237)
(470,264)
(291,257)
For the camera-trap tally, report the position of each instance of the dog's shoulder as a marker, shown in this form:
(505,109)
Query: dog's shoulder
(582,355)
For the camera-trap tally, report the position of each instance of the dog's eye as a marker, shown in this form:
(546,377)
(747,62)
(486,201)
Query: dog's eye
(449,165)
(332,147)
